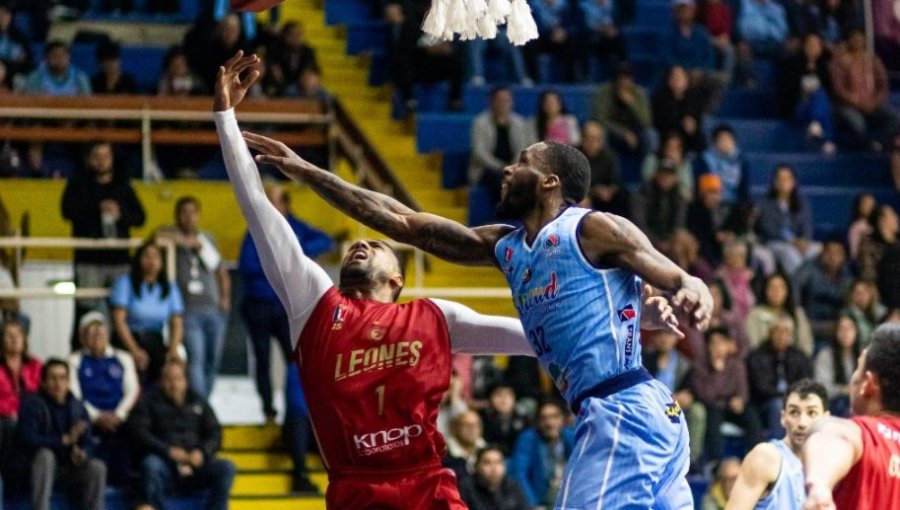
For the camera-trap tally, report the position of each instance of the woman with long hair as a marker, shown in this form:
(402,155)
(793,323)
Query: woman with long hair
(785,221)
(553,122)
(20,373)
(884,236)
(866,310)
(864,206)
(144,303)
(836,362)
(775,302)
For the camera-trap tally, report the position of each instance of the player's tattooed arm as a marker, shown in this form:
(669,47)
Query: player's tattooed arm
(612,241)
(439,236)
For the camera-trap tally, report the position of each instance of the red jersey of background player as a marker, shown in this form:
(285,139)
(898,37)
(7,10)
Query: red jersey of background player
(874,481)
(375,374)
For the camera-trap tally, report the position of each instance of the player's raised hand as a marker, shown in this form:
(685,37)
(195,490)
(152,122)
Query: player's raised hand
(276,153)
(235,78)
(694,303)
(657,314)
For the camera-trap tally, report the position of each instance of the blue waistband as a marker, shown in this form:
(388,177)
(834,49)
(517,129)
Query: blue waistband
(613,385)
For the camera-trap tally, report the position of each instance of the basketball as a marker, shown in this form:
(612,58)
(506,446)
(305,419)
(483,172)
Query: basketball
(254,5)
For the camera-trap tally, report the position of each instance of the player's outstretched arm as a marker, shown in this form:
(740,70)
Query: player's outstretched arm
(610,240)
(439,236)
(474,333)
(833,447)
(298,281)
(759,470)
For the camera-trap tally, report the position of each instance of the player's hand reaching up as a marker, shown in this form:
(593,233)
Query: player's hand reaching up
(235,78)
(276,153)
(694,303)
(657,314)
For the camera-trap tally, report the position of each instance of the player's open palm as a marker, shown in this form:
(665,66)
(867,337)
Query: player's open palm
(235,78)
(273,152)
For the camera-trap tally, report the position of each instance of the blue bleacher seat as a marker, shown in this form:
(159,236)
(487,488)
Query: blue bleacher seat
(340,12)
(748,104)
(576,98)
(115,499)
(454,169)
(443,132)
(641,42)
(754,135)
(842,170)
(378,68)
(189,9)
(653,15)
(481,208)
(432,97)
(765,73)
(84,57)
(22,21)
(365,36)
(145,64)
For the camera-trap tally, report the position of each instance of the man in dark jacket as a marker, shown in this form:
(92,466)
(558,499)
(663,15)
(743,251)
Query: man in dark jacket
(502,421)
(55,437)
(180,436)
(101,204)
(490,488)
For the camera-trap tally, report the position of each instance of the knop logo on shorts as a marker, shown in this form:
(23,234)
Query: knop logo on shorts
(627,313)
(385,440)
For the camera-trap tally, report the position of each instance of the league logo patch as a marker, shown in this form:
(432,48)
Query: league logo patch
(628,313)
(376,333)
(508,254)
(673,412)
(338,316)
(552,240)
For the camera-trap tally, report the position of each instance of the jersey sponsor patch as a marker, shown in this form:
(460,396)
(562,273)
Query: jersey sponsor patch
(673,412)
(541,295)
(385,440)
(627,313)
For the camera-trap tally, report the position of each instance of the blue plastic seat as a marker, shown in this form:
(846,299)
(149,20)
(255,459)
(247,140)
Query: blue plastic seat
(342,12)
(145,64)
(843,170)
(748,104)
(365,36)
(444,132)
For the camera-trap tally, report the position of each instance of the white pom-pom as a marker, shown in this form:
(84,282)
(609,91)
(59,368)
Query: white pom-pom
(456,16)
(498,10)
(487,28)
(476,10)
(436,22)
(521,25)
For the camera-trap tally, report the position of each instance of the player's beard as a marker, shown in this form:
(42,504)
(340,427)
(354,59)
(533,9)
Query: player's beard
(520,199)
(362,276)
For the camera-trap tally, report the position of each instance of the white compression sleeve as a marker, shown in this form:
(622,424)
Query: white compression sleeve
(474,333)
(299,282)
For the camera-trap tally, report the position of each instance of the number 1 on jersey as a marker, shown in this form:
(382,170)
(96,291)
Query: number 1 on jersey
(539,341)
(380,392)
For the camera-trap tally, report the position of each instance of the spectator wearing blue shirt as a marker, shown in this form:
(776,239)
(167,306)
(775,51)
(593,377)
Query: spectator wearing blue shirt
(723,159)
(556,36)
(56,76)
(688,45)
(602,33)
(14,48)
(541,453)
(144,302)
(785,222)
(263,313)
(106,381)
(763,24)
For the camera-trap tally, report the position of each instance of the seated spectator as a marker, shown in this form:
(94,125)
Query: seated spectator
(502,420)
(717,18)
(178,79)
(684,250)
(105,380)
(466,439)
(678,108)
(763,24)
(658,208)
(737,278)
(557,36)
(540,455)
(776,302)
(602,34)
(805,81)
(713,222)
(865,309)
(452,405)
(297,433)
(687,45)
(15,51)
(491,488)
(477,49)
(773,367)
(726,474)
(723,316)
(144,303)
(55,441)
(19,376)
(821,285)
(498,136)
(606,193)
(861,90)
(673,369)
(836,362)
(785,221)
(206,50)
(180,437)
(672,149)
(864,206)
(724,160)
(719,382)
(553,121)
(836,19)
(883,239)
(309,86)
(621,106)
(56,76)
(109,78)
(288,56)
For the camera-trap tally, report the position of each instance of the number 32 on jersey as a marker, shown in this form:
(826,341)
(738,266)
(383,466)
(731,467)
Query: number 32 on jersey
(539,341)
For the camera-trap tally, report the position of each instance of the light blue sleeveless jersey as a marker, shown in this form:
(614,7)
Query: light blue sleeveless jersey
(789,490)
(583,322)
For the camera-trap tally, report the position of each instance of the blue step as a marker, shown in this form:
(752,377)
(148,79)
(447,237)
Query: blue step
(755,135)
(654,15)
(642,41)
(379,74)
(366,36)
(145,64)
(454,169)
(481,208)
(576,98)
(842,170)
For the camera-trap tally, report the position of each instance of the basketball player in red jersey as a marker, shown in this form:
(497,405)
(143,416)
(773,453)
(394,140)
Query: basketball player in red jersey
(373,371)
(855,464)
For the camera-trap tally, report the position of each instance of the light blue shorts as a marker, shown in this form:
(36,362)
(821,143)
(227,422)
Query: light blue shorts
(631,452)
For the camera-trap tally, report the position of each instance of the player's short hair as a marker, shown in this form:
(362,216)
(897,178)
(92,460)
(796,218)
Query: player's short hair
(572,168)
(49,364)
(804,388)
(487,449)
(883,360)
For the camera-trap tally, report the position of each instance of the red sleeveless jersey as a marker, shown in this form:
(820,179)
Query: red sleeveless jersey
(874,482)
(374,375)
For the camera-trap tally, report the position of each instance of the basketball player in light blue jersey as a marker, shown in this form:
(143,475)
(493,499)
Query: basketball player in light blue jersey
(576,279)
(771,476)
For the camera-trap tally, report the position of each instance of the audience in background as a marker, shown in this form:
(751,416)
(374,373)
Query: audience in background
(864,206)
(144,305)
(601,25)
(297,433)
(724,160)
(711,220)
(865,309)
(465,439)
(678,108)
(541,453)
(56,442)
(688,44)
(836,362)
(776,301)
(56,76)
(805,82)
(622,107)
(606,192)
(20,374)
(659,208)
(737,279)
(785,221)
(880,242)
(179,436)
(490,488)
(289,56)
(476,51)
(672,149)
(726,474)
(821,286)
(557,37)
(110,79)
(502,420)
(207,51)
(178,79)
(763,24)
(553,121)
(716,16)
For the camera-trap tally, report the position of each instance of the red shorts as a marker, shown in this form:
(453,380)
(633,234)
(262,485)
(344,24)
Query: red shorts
(433,489)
